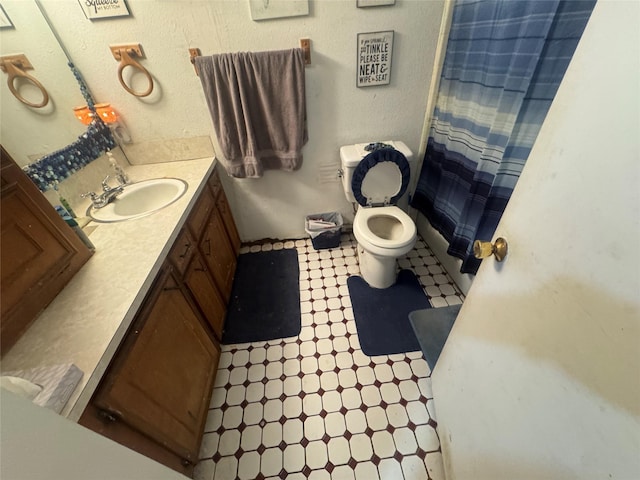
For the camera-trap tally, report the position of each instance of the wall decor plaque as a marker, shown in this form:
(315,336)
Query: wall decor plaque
(104,8)
(5,21)
(268,9)
(375,50)
(374,3)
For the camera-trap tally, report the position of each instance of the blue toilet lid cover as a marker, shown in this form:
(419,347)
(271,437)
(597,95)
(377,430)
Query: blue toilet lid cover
(371,160)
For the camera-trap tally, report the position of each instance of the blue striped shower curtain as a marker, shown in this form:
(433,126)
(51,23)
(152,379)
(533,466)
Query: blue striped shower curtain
(503,65)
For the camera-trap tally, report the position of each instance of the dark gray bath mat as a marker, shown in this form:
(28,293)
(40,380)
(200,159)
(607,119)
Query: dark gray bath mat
(432,329)
(265,299)
(382,315)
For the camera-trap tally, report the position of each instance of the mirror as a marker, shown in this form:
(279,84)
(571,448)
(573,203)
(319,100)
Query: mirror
(29,133)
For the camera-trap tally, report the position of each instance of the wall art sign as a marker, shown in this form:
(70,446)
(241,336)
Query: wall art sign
(266,9)
(374,3)
(374,58)
(104,8)
(5,21)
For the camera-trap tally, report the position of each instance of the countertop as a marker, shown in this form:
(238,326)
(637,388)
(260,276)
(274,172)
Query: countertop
(86,322)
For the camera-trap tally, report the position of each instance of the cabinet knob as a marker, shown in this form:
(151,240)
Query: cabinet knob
(108,416)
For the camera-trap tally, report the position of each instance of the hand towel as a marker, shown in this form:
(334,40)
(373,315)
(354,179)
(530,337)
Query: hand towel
(257,104)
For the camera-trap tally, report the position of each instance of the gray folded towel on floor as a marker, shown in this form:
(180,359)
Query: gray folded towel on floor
(257,104)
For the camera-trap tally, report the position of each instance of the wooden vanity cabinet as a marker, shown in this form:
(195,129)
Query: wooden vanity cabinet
(214,229)
(159,384)
(198,281)
(155,395)
(206,253)
(40,252)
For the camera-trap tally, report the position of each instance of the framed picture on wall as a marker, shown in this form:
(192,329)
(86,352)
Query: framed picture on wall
(374,3)
(267,9)
(104,8)
(5,21)
(375,50)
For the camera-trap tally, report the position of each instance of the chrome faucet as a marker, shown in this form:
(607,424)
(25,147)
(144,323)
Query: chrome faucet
(108,195)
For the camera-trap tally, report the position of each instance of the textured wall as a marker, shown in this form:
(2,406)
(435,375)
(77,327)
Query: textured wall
(338,112)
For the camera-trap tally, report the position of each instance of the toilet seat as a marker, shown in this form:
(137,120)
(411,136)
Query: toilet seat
(381,178)
(383,229)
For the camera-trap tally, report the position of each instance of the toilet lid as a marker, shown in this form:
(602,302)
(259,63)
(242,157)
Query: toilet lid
(381,178)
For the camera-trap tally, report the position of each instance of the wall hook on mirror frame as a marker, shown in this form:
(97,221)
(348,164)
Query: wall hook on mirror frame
(125,55)
(15,66)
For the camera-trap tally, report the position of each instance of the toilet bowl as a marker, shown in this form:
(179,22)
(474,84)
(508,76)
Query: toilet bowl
(376,180)
(383,234)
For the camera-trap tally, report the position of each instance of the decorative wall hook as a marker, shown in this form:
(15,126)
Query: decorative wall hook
(305,45)
(15,66)
(193,53)
(125,55)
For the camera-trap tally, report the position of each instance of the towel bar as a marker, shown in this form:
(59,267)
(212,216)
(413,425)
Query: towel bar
(15,66)
(305,45)
(124,54)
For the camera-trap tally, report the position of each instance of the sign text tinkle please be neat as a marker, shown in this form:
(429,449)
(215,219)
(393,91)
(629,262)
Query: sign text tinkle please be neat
(374,58)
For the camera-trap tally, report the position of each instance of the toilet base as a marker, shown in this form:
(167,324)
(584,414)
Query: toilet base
(377,271)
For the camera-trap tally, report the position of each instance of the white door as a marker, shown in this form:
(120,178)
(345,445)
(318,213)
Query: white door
(540,377)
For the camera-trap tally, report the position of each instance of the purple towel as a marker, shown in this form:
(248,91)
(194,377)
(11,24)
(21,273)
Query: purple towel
(257,104)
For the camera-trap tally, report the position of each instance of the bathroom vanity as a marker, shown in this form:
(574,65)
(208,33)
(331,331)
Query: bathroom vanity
(40,253)
(155,395)
(143,320)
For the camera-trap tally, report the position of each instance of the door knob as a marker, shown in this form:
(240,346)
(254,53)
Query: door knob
(482,249)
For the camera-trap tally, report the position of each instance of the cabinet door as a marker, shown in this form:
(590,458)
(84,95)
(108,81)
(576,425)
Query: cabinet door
(225,212)
(182,251)
(161,380)
(198,219)
(227,218)
(203,289)
(218,254)
(40,253)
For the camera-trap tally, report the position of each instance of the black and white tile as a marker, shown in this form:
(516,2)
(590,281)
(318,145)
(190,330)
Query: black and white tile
(315,406)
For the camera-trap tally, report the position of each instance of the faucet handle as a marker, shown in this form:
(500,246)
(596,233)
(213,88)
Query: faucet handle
(105,184)
(91,195)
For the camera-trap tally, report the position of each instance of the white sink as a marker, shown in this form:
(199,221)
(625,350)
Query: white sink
(140,199)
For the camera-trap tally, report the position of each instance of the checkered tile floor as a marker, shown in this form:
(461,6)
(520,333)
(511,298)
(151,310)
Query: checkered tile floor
(314,406)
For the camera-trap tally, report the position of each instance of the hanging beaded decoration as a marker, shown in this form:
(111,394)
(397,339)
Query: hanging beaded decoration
(50,170)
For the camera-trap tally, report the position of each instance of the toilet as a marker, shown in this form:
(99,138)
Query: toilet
(376,179)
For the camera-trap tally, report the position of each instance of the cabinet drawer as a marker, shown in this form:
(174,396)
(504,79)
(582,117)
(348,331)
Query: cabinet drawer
(182,251)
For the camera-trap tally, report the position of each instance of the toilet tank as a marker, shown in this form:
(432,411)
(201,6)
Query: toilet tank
(351,155)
